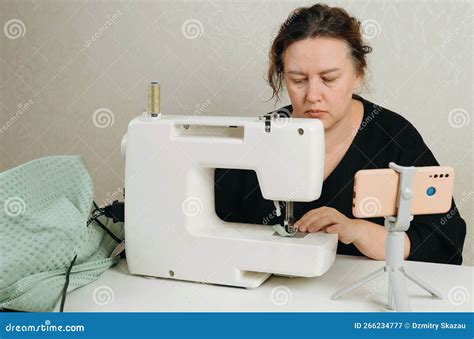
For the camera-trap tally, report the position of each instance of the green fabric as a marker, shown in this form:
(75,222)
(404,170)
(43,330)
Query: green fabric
(44,208)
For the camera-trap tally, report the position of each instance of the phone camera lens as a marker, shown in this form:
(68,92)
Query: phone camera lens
(431,191)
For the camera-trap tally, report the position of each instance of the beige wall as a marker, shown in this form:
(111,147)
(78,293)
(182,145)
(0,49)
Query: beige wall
(63,61)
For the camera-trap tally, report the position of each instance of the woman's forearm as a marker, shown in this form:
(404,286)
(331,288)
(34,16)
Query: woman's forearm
(371,240)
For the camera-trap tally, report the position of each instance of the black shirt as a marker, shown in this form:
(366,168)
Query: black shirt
(383,136)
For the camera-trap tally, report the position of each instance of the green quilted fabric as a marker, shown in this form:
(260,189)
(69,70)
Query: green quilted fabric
(44,208)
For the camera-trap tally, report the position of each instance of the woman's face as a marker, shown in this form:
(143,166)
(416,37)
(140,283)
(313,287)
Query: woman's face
(320,78)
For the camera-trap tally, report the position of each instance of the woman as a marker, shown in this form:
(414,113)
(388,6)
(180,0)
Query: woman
(320,58)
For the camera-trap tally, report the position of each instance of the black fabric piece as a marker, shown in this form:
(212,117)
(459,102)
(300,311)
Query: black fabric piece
(383,136)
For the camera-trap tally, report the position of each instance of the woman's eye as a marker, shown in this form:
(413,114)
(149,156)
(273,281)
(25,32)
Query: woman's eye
(329,79)
(298,81)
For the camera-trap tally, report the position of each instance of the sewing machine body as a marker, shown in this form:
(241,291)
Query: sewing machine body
(171,227)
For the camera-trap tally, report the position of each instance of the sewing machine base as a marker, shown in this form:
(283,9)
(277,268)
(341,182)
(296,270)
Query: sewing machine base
(230,256)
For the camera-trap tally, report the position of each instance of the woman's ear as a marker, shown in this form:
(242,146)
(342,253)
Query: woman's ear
(357,84)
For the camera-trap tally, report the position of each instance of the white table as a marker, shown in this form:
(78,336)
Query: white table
(118,291)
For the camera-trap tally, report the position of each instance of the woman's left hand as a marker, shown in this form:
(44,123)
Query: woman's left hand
(329,220)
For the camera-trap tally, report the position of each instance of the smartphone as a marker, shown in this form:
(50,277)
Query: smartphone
(376,191)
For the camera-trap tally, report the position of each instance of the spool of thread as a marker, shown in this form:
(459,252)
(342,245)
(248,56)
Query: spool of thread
(154,98)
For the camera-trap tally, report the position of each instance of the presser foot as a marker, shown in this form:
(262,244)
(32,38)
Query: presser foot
(285,231)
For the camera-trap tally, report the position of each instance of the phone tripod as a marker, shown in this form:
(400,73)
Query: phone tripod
(395,248)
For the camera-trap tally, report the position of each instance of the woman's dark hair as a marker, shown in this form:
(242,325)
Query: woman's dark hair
(312,22)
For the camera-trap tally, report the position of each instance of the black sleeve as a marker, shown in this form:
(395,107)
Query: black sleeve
(435,237)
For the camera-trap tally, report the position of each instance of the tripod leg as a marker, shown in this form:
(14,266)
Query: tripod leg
(390,303)
(358,283)
(399,290)
(423,285)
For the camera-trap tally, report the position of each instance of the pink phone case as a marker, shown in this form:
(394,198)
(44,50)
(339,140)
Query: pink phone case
(376,191)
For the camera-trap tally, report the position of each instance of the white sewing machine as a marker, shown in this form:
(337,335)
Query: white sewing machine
(171,227)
